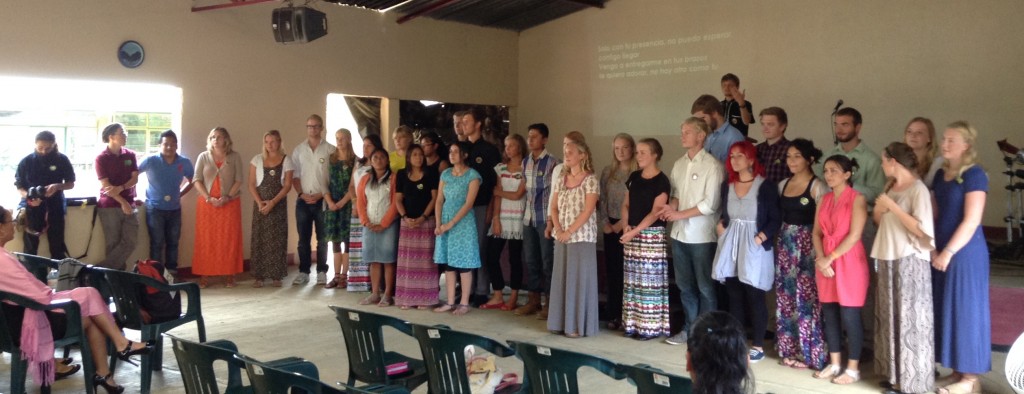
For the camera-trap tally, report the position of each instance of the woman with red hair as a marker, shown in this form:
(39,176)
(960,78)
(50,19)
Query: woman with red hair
(744,260)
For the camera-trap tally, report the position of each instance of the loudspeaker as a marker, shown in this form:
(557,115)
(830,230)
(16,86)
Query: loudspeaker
(298,24)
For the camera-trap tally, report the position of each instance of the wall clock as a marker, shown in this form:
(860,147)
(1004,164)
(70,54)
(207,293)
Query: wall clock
(131,54)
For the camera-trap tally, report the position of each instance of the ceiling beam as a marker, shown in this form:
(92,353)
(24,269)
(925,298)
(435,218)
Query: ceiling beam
(589,3)
(425,10)
(233,3)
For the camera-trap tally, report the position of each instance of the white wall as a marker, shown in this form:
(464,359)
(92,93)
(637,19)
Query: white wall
(234,74)
(947,60)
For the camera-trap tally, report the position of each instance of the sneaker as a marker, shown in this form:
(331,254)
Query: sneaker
(321,278)
(755,355)
(302,279)
(678,339)
(169,275)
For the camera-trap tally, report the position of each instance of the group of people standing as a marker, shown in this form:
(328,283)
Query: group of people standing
(738,220)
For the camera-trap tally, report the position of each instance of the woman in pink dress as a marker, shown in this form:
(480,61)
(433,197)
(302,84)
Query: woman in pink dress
(842,265)
(36,339)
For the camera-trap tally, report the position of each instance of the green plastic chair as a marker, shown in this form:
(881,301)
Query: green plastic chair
(73,334)
(367,357)
(553,371)
(123,286)
(444,353)
(650,380)
(301,377)
(195,360)
(39,266)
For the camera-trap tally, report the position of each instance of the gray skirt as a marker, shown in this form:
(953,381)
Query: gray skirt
(381,247)
(573,296)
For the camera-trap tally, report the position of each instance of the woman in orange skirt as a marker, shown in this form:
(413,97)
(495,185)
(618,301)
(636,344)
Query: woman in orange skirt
(218,179)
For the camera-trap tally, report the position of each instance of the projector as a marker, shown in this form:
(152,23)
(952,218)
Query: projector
(298,24)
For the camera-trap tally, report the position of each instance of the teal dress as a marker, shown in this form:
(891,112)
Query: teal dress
(336,223)
(458,247)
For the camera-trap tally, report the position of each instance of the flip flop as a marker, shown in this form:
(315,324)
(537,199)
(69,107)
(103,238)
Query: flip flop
(792,363)
(444,308)
(462,309)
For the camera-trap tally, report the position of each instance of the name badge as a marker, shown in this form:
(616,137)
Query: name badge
(127,162)
(273,172)
(694,176)
(479,160)
(804,201)
(321,160)
(167,198)
(419,186)
(53,168)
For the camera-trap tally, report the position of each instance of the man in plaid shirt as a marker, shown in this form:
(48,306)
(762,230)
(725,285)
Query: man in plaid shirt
(538,249)
(772,152)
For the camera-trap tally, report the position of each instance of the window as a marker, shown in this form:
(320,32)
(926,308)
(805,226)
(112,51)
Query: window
(76,112)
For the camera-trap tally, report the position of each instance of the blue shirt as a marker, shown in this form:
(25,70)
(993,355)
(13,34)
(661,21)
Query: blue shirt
(164,191)
(720,140)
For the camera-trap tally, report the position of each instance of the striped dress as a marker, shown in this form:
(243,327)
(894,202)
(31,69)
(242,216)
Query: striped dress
(358,271)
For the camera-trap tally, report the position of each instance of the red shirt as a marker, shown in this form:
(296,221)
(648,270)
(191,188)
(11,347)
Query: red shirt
(117,169)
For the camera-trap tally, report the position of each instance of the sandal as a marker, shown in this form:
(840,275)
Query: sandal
(961,387)
(258,283)
(462,309)
(508,307)
(572,335)
(497,305)
(829,372)
(230,282)
(334,282)
(792,363)
(425,307)
(848,376)
(370,299)
(444,308)
(385,301)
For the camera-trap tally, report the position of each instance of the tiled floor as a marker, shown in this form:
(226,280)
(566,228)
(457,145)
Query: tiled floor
(270,323)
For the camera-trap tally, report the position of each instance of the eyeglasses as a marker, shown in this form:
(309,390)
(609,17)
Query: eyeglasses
(314,126)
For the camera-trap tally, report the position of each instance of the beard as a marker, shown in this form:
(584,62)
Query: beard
(847,138)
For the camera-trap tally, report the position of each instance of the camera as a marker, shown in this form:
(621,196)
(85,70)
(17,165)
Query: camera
(36,193)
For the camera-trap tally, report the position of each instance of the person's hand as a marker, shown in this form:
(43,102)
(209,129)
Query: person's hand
(52,189)
(126,207)
(828,272)
(547,230)
(884,202)
(822,263)
(627,236)
(720,229)
(418,221)
(940,261)
(739,95)
(443,228)
(265,206)
(496,228)
(311,198)
(759,238)
(607,229)
(112,190)
(563,237)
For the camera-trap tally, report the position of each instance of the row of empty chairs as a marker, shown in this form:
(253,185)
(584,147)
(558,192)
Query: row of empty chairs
(121,288)
(443,367)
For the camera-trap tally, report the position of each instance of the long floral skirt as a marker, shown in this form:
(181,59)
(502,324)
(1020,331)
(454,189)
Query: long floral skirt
(799,329)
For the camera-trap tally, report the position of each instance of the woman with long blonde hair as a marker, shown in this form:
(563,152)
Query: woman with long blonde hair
(920,136)
(609,211)
(218,180)
(339,210)
(572,299)
(270,174)
(960,264)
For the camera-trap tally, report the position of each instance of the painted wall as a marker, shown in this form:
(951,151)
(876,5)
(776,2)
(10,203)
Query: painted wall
(234,74)
(946,60)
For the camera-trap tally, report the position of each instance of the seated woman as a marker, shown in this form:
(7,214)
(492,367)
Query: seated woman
(716,355)
(37,338)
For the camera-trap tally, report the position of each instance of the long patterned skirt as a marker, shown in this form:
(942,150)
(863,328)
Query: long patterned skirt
(416,279)
(904,324)
(269,235)
(798,330)
(358,271)
(645,284)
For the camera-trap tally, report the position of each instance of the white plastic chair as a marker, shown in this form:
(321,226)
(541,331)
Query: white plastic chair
(1015,365)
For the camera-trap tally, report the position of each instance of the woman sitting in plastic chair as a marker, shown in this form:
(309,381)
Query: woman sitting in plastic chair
(37,337)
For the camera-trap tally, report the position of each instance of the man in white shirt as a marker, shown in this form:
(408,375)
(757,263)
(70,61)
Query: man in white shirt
(693,211)
(311,160)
